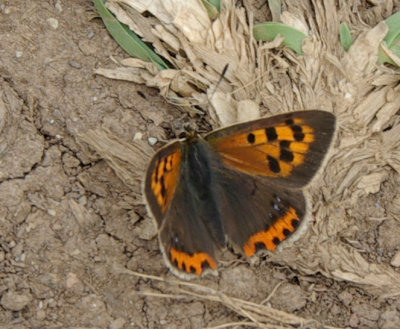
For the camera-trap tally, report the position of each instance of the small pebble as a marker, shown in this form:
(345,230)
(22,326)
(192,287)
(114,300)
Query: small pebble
(53,23)
(51,212)
(71,280)
(395,262)
(13,301)
(74,64)
(348,96)
(152,141)
(58,6)
(138,136)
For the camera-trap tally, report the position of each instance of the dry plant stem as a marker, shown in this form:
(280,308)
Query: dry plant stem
(129,160)
(238,324)
(260,315)
(272,293)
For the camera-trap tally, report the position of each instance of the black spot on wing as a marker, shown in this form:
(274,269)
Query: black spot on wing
(297,133)
(286,155)
(260,246)
(251,138)
(163,189)
(276,241)
(295,223)
(273,164)
(284,144)
(205,265)
(271,134)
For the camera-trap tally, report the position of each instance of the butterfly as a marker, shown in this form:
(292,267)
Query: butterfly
(239,186)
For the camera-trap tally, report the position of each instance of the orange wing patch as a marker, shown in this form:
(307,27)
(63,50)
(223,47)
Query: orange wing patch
(164,178)
(272,151)
(275,234)
(195,263)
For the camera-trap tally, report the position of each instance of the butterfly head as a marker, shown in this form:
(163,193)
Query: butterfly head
(188,134)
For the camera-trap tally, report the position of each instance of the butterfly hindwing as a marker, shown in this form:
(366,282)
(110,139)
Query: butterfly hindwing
(257,215)
(288,147)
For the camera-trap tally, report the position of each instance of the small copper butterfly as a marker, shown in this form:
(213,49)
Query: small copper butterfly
(239,185)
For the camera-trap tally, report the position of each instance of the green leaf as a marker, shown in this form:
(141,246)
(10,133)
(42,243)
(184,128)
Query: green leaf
(267,31)
(393,22)
(391,40)
(127,39)
(212,8)
(396,50)
(345,36)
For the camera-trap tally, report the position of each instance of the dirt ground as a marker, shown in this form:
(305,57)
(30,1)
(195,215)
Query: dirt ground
(71,230)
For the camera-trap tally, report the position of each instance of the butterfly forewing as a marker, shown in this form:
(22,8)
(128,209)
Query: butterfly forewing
(176,189)
(288,147)
(161,179)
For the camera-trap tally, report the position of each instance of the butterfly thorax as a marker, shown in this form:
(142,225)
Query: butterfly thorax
(198,165)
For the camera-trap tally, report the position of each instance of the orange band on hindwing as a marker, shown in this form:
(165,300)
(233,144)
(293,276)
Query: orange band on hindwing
(274,234)
(194,263)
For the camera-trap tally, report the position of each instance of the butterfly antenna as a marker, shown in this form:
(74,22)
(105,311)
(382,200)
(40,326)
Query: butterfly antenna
(219,81)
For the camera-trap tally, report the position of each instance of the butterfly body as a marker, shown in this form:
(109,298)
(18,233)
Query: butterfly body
(238,185)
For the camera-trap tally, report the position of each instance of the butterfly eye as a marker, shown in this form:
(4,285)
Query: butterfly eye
(183,135)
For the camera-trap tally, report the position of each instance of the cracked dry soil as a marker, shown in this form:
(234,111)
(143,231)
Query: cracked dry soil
(66,219)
